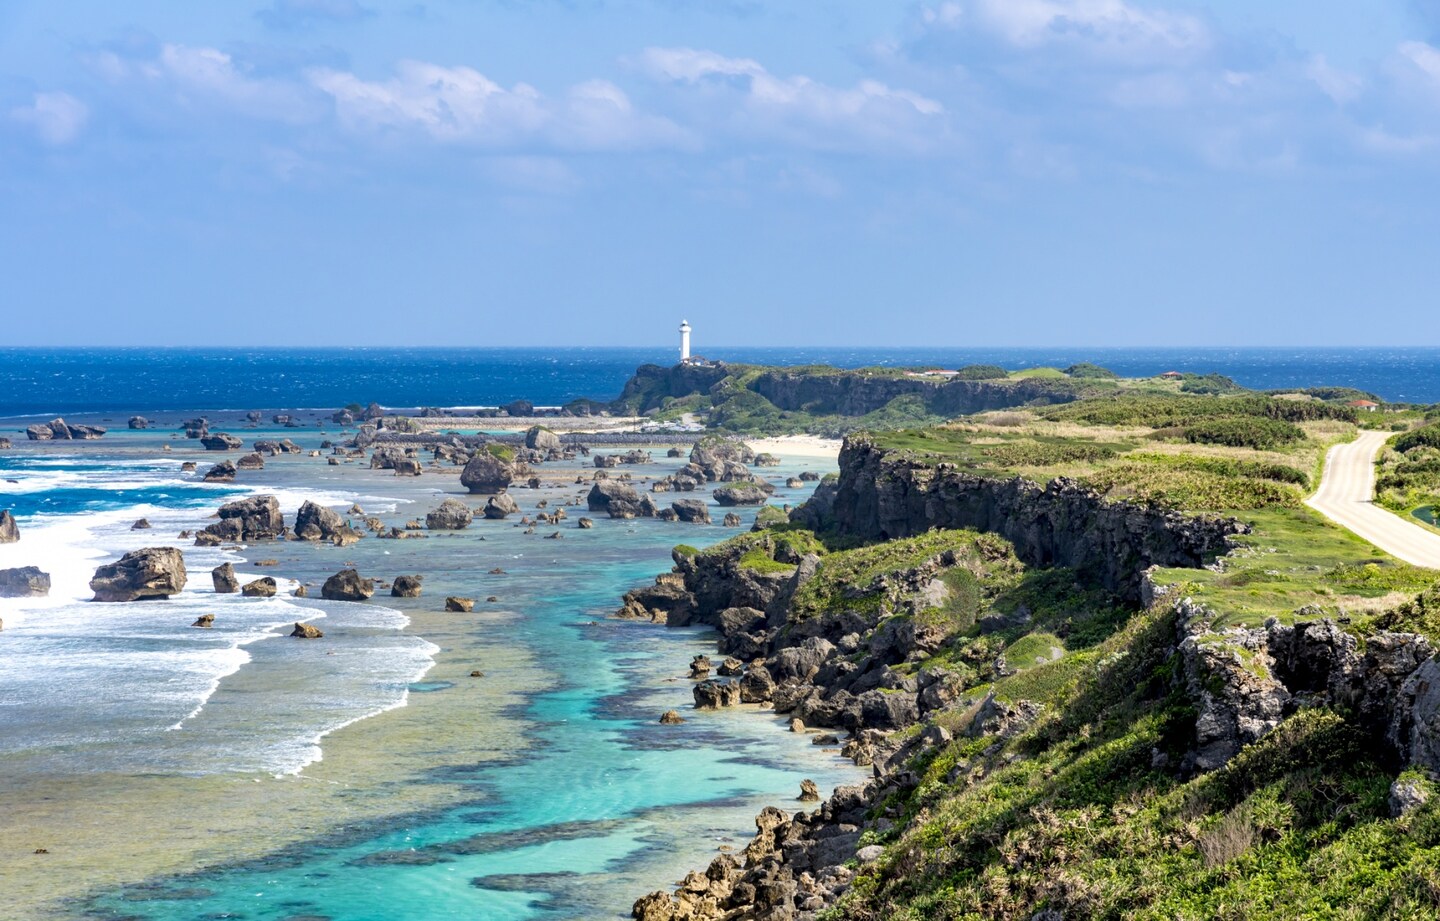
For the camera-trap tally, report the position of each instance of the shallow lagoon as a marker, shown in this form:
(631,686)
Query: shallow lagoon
(545,787)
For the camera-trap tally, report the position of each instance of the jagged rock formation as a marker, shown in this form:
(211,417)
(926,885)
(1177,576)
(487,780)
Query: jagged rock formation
(155,572)
(251,518)
(24,582)
(9,530)
(225,580)
(882,495)
(451,515)
(347,585)
(486,474)
(317,523)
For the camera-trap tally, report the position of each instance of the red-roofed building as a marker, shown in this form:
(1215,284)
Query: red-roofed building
(1368,406)
(1172,375)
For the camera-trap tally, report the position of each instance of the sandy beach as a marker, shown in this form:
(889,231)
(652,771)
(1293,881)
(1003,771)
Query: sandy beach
(798,446)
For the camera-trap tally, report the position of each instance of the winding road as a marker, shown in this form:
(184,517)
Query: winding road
(1346,490)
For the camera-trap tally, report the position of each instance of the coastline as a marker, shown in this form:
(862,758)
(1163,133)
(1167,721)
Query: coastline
(390,767)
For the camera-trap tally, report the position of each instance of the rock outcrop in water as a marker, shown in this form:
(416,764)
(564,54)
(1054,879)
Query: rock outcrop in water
(617,499)
(451,515)
(486,474)
(223,472)
(24,582)
(155,572)
(9,530)
(59,430)
(347,585)
(225,580)
(220,441)
(318,523)
(249,519)
(263,587)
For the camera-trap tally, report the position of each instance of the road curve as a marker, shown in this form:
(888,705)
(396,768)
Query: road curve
(1347,488)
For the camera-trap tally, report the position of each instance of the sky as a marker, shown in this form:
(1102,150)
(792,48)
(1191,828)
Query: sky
(789,172)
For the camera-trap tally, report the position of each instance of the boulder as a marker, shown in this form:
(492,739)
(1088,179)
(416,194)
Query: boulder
(732,520)
(405,587)
(222,472)
(539,438)
(39,432)
(139,422)
(224,578)
(671,718)
(809,793)
(407,466)
(9,530)
(25,582)
(347,585)
(5,444)
(486,474)
(221,442)
(716,693)
(741,494)
(154,572)
(251,518)
(618,500)
(305,631)
(459,605)
(343,417)
(694,511)
(250,462)
(264,587)
(58,429)
(585,524)
(204,621)
(500,506)
(318,523)
(451,515)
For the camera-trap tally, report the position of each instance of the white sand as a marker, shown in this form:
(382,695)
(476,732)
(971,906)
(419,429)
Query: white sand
(798,446)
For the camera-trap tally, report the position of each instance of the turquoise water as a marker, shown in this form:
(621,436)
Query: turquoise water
(1426,514)
(595,803)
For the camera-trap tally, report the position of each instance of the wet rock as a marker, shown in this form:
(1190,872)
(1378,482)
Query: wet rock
(732,520)
(501,506)
(716,693)
(317,523)
(263,587)
(486,474)
(617,499)
(693,511)
(459,605)
(809,793)
(585,524)
(248,519)
(221,442)
(700,666)
(250,462)
(24,582)
(305,631)
(138,422)
(224,578)
(451,515)
(187,467)
(9,530)
(407,466)
(205,621)
(223,472)
(538,438)
(154,572)
(347,585)
(405,587)
(671,718)
(741,494)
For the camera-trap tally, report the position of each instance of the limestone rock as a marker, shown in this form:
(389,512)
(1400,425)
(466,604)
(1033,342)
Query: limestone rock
(347,585)
(486,474)
(741,494)
(204,621)
(9,530)
(264,587)
(224,578)
(542,439)
(24,582)
(154,572)
(618,500)
(222,472)
(498,507)
(693,511)
(305,631)
(251,518)
(459,605)
(317,523)
(405,587)
(451,515)
(221,442)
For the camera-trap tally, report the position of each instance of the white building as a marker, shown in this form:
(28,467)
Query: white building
(684,340)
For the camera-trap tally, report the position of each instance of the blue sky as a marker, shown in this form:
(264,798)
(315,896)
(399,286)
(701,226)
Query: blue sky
(524,172)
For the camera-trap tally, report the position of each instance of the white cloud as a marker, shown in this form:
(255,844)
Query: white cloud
(749,100)
(1112,29)
(1339,85)
(462,105)
(1424,57)
(207,78)
(56,118)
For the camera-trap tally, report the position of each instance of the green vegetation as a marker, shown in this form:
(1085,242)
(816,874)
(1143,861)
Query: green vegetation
(1259,433)
(500,451)
(981,373)
(1086,370)
(1408,478)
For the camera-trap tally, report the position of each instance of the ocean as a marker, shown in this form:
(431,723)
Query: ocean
(40,381)
(413,764)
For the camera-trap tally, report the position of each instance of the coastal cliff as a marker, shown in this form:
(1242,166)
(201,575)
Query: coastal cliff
(1007,659)
(883,495)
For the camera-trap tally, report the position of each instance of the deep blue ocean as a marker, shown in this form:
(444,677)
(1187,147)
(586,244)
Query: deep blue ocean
(47,381)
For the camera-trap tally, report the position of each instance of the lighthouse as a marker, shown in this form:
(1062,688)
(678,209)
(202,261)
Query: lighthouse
(684,340)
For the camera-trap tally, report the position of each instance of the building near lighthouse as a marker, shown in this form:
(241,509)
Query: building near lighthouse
(684,340)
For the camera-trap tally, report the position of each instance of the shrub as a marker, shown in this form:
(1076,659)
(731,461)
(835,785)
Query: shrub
(1087,371)
(1045,454)
(1209,384)
(1425,437)
(981,373)
(1256,432)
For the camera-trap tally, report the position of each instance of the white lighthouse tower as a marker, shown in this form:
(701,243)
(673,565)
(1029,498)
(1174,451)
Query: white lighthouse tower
(684,340)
